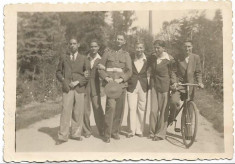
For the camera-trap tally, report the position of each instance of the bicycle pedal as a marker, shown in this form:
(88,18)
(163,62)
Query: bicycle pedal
(177,130)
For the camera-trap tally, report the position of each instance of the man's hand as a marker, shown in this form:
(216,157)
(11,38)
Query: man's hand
(108,79)
(100,66)
(174,86)
(201,85)
(74,84)
(120,80)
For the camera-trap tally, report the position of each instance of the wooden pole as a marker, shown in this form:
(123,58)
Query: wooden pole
(150,22)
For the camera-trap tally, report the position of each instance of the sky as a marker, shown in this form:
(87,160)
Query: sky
(158,17)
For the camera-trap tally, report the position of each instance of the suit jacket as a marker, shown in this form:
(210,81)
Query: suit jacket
(138,76)
(68,71)
(188,72)
(161,73)
(94,81)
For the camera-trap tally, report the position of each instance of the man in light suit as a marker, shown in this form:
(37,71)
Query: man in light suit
(70,73)
(137,92)
(187,69)
(93,93)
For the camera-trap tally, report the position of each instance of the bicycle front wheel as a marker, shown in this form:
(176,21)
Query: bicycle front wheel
(189,121)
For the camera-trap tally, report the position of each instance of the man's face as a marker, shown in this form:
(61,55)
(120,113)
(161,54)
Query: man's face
(188,47)
(139,49)
(94,47)
(158,49)
(73,45)
(120,40)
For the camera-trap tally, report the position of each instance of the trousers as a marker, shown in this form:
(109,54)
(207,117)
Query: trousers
(98,113)
(159,113)
(137,105)
(114,114)
(72,114)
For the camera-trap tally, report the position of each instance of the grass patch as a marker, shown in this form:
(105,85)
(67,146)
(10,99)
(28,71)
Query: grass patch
(211,109)
(35,112)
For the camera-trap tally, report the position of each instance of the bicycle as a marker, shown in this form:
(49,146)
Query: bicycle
(189,118)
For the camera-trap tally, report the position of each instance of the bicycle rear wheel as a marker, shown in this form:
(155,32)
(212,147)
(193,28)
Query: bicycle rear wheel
(189,121)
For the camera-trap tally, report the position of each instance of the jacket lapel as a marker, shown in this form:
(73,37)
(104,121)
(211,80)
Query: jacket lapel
(143,67)
(133,63)
(67,59)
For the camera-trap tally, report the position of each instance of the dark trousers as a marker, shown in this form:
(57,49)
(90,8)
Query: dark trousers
(114,114)
(159,113)
(98,113)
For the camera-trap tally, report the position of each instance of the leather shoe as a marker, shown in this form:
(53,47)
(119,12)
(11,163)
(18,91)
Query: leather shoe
(59,142)
(115,136)
(129,135)
(156,138)
(77,138)
(150,137)
(139,135)
(87,135)
(107,140)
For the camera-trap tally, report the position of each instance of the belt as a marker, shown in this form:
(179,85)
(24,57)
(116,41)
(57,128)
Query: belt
(114,69)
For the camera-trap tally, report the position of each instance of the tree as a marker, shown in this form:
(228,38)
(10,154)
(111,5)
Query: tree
(40,38)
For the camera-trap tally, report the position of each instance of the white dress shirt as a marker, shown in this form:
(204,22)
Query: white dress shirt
(139,62)
(92,60)
(73,56)
(186,59)
(163,56)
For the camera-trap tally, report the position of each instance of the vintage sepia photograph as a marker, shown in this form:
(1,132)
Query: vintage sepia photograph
(138,80)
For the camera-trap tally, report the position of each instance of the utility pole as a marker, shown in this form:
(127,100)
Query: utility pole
(150,22)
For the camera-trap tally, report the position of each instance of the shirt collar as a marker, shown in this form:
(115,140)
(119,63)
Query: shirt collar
(76,53)
(164,56)
(97,56)
(142,58)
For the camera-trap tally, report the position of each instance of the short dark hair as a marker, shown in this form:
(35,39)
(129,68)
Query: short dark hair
(140,42)
(188,40)
(96,41)
(122,34)
(73,38)
(160,43)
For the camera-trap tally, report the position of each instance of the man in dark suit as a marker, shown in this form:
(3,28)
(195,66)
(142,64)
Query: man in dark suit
(187,70)
(93,93)
(70,73)
(137,92)
(117,67)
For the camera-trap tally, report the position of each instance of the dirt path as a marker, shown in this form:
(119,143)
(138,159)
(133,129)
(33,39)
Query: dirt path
(41,136)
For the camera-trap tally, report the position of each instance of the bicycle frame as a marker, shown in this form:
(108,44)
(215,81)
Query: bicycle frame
(187,85)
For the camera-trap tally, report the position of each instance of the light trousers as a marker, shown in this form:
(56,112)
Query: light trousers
(137,106)
(72,114)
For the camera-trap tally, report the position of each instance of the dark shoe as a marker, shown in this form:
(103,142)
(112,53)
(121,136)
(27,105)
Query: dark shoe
(106,139)
(115,136)
(150,136)
(139,135)
(87,135)
(156,138)
(77,138)
(59,142)
(129,135)
(188,137)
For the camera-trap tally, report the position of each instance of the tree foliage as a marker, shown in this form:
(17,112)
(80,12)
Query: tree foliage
(207,40)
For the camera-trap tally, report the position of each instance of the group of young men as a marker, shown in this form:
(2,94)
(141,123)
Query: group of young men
(131,75)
